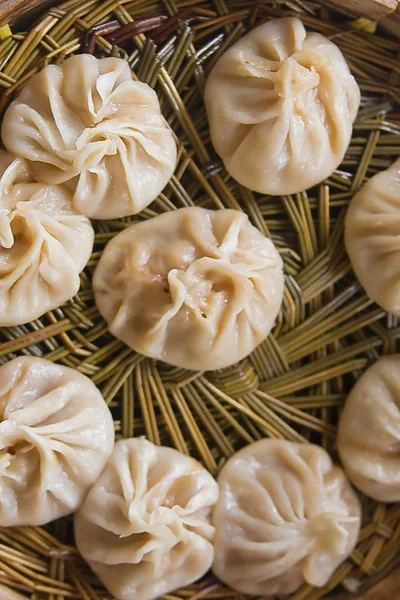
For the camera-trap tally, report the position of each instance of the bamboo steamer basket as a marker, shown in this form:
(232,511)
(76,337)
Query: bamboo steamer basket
(14,585)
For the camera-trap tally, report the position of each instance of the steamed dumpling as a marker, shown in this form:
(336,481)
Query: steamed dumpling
(193,287)
(372,237)
(87,122)
(44,244)
(281,104)
(145,526)
(286,516)
(56,434)
(369,431)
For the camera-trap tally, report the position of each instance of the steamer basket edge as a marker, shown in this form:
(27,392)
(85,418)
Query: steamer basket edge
(17,12)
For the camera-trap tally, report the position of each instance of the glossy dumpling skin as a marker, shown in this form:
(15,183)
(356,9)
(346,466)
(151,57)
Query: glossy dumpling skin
(56,434)
(286,516)
(44,244)
(145,526)
(195,288)
(372,237)
(369,431)
(88,123)
(281,104)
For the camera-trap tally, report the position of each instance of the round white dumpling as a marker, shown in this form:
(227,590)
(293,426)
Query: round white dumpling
(56,435)
(145,526)
(193,287)
(369,431)
(281,104)
(88,123)
(372,237)
(44,244)
(286,516)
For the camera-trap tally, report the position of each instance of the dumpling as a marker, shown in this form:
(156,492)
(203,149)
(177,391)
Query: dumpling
(372,237)
(44,244)
(193,287)
(56,434)
(281,104)
(87,122)
(145,526)
(369,431)
(286,516)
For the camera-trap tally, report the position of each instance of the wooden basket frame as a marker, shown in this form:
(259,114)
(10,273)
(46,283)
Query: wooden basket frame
(388,13)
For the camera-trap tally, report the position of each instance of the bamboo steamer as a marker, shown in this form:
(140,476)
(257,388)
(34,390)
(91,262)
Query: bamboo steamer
(387,12)
(11,10)
(371,9)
